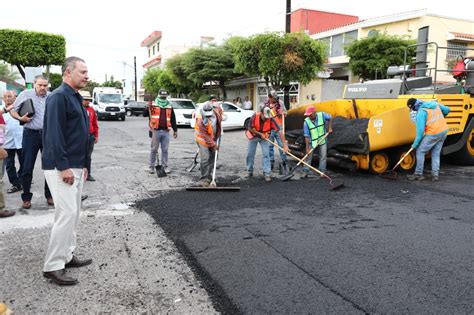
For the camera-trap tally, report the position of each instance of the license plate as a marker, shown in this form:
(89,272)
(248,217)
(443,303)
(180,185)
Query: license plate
(113,114)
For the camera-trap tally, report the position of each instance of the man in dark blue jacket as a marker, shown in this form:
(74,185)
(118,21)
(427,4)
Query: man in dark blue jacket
(65,136)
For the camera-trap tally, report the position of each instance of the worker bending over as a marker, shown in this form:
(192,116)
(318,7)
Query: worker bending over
(431,131)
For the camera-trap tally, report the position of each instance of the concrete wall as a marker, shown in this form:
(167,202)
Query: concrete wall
(310,93)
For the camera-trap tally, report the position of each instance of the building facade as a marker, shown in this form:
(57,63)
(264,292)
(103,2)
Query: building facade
(451,35)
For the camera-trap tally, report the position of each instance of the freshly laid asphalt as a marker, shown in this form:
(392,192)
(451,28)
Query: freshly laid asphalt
(375,246)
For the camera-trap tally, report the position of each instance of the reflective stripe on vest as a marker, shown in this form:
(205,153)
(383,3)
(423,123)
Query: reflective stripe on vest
(316,132)
(155,117)
(197,132)
(277,117)
(435,122)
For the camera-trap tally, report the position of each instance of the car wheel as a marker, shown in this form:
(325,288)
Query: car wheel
(123,118)
(129,113)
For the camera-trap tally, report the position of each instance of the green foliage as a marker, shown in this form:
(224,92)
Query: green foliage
(5,72)
(55,79)
(279,58)
(375,54)
(90,86)
(214,63)
(176,70)
(156,79)
(112,83)
(25,48)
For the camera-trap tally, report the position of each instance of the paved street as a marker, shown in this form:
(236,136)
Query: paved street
(375,246)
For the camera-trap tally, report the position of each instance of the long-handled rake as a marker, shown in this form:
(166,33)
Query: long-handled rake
(292,171)
(335,184)
(392,174)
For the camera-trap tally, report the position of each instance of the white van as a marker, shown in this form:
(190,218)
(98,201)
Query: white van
(108,103)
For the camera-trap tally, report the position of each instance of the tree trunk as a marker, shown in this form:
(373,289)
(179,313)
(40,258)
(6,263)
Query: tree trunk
(21,70)
(286,96)
(223,89)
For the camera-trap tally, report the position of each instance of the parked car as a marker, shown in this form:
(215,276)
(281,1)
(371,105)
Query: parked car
(235,117)
(183,109)
(135,108)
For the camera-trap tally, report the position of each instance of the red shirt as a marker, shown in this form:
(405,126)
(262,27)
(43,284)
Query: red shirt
(93,125)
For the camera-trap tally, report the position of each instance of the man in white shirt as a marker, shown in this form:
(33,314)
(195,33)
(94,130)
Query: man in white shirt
(248,103)
(13,139)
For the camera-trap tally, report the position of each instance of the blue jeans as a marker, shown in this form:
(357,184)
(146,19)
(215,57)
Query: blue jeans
(159,137)
(435,144)
(13,175)
(322,154)
(252,148)
(275,137)
(32,143)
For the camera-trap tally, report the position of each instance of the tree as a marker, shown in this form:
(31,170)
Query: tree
(375,54)
(214,63)
(158,78)
(112,83)
(55,79)
(34,49)
(279,58)
(178,75)
(5,72)
(90,86)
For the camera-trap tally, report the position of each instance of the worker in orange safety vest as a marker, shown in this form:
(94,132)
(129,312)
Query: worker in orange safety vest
(207,133)
(161,120)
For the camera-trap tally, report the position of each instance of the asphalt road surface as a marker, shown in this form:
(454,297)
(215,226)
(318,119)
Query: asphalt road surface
(374,246)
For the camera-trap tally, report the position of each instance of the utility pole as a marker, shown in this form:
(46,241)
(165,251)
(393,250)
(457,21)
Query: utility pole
(286,88)
(135,68)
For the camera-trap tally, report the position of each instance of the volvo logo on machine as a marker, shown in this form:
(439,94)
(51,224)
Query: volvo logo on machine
(357,89)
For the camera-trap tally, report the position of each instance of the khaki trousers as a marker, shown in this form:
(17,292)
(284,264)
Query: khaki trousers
(67,203)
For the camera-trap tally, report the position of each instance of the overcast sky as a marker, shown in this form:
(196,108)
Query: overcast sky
(105,33)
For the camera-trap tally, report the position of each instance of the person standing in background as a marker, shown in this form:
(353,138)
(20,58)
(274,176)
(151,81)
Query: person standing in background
(3,155)
(13,139)
(93,130)
(32,136)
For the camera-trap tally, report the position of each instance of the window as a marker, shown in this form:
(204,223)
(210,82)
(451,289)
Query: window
(153,50)
(182,105)
(337,45)
(327,42)
(263,93)
(349,37)
(373,33)
(229,108)
(158,47)
(455,49)
(149,53)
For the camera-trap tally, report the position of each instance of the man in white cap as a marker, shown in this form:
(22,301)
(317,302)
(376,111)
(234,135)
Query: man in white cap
(207,133)
(261,124)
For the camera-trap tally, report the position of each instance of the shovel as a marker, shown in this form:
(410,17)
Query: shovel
(213,185)
(335,184)
(291,174)
(392,174)
(160,171)
(194,163)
